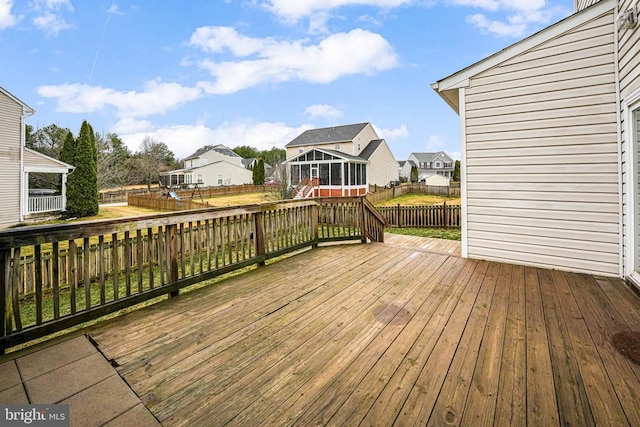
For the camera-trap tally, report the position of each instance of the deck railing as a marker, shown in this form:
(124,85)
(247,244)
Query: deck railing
(444,215)
(38,204)
(54,277)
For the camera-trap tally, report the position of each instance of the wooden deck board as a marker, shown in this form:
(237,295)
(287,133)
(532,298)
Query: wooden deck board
(400,333)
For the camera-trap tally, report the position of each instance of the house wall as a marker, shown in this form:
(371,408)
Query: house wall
(542,156)
(583,4)
(10,114)
(383,167)
(629,76)
(345,147)
(231,174)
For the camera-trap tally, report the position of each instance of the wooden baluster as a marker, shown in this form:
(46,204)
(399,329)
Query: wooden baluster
(115,266)
(87,273)
(127,262)
(139,258)
(38,271)
(101,268)
(72,260)
(259,234)
(150,259)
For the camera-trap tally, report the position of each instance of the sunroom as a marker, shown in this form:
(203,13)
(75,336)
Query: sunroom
(322,172)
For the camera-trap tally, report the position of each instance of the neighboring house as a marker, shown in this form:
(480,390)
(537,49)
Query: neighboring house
(339,161)
(210,166)
(439,163)
(17,202)
(435,179)
(251,162)
(550,145)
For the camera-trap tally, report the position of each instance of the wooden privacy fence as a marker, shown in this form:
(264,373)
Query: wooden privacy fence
(163,203)
(53,277)
(380,194)
(186,193)
(421,216)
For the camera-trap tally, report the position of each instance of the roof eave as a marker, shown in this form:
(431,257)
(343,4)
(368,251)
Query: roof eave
(447,86)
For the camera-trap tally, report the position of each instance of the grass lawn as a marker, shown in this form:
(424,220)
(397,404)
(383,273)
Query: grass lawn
(412,199)
(241,199)
(436,233)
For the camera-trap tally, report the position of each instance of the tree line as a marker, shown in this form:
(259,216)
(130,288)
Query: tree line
(116,165)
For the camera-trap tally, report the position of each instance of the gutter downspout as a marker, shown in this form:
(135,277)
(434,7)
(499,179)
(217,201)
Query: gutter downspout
(24,194)
(621,201)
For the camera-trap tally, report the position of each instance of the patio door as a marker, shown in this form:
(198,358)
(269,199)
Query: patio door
(314,171)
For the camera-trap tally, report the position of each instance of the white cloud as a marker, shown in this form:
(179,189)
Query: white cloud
(391,134)
(156,98)
(50,19)
(271,61)
(114,9)
(7,19)
(294,10)
(515,17)
(184,140)
(322,110)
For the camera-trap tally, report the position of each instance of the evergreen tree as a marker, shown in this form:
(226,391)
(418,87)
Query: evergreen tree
(456,171)
(414,174)
(82,184)
(258,173)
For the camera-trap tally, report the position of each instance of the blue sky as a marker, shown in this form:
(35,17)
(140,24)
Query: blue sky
(254,72)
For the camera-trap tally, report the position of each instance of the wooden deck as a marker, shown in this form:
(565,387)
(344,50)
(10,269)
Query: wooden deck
(384,334)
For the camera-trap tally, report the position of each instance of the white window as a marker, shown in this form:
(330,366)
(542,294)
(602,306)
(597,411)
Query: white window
(438,165)
(188,179)
(300,150)
(199,178)
(220,180)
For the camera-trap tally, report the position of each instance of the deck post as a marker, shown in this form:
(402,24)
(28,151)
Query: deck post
(172,247)
(259,233)
(363,221)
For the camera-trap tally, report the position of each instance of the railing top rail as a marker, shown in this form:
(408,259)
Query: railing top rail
(39,234)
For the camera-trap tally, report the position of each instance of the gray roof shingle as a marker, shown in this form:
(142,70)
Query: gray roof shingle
(328,135)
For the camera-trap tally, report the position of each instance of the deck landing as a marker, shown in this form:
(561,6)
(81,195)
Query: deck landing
(384,334)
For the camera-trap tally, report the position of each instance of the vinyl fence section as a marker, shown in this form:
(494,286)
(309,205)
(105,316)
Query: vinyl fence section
(445,216)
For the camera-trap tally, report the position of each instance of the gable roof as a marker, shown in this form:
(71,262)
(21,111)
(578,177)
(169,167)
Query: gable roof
(335,153)
(25,107)
(222,149)
(448,87)
(371,148)
(328,135)
(430,157)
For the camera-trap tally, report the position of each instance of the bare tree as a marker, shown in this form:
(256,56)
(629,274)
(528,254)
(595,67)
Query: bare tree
(154,157)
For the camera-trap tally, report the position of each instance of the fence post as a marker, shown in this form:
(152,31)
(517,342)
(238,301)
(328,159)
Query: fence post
(172,247)
(259,234)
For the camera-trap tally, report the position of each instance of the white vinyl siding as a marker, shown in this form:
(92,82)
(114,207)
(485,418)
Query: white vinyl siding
(383,167)
(583,4)
(542,155)
(629,75)
(10,119)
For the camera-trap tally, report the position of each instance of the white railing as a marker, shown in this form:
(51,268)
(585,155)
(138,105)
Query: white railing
(45,204)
